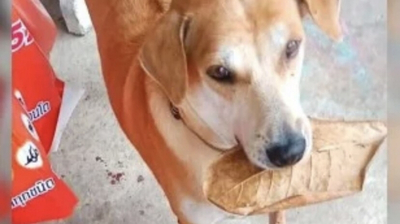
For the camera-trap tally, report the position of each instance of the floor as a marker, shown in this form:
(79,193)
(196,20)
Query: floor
(341,81)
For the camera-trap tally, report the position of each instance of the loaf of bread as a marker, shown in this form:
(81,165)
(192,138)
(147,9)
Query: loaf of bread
(336,168)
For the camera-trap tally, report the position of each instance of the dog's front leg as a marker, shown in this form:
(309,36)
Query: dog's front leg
(277,218)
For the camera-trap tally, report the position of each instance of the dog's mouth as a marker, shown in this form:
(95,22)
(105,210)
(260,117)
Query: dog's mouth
(261,165)
(256,155)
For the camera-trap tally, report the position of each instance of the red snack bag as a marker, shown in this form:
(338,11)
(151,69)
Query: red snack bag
(38,22)
(37,193)
(4,199)
(34,80)
(42,105)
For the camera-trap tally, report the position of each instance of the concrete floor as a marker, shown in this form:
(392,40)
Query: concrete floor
(341,81)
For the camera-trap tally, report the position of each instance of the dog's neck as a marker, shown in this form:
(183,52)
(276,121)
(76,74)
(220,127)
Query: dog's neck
(194,153)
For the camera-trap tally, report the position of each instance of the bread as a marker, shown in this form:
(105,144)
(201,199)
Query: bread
(336,168)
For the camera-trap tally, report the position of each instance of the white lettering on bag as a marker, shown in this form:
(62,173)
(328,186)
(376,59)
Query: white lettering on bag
(40,188)
(41,109)
(20,36)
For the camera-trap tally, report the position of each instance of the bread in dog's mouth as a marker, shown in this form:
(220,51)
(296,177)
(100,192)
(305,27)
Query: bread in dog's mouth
(342,152)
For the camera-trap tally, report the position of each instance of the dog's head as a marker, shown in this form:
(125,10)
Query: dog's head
(233,69)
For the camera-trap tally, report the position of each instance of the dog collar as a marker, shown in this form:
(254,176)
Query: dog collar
(199,127)
(175,112)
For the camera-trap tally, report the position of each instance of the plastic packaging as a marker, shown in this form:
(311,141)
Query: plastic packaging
(37,193)
(42,105)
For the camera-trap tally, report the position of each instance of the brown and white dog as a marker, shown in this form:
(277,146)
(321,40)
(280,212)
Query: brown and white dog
(231,68)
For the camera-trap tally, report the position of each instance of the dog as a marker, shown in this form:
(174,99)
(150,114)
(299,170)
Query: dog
(232,69)
(210,76)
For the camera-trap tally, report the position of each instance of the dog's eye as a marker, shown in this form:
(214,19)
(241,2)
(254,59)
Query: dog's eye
(220,73)
(292,48)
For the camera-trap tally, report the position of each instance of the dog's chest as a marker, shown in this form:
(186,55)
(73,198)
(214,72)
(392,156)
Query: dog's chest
(193,153)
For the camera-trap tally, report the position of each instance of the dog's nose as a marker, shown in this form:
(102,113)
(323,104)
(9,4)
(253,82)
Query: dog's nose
(287,152)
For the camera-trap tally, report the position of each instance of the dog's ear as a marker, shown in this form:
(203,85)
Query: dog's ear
(163,56)
(326,14)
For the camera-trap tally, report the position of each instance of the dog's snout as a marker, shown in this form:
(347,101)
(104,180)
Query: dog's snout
(288,151)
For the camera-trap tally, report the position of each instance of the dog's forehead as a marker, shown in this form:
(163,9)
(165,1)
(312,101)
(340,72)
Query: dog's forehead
(239,21)
(267,10)
(243,33)
(256,12)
